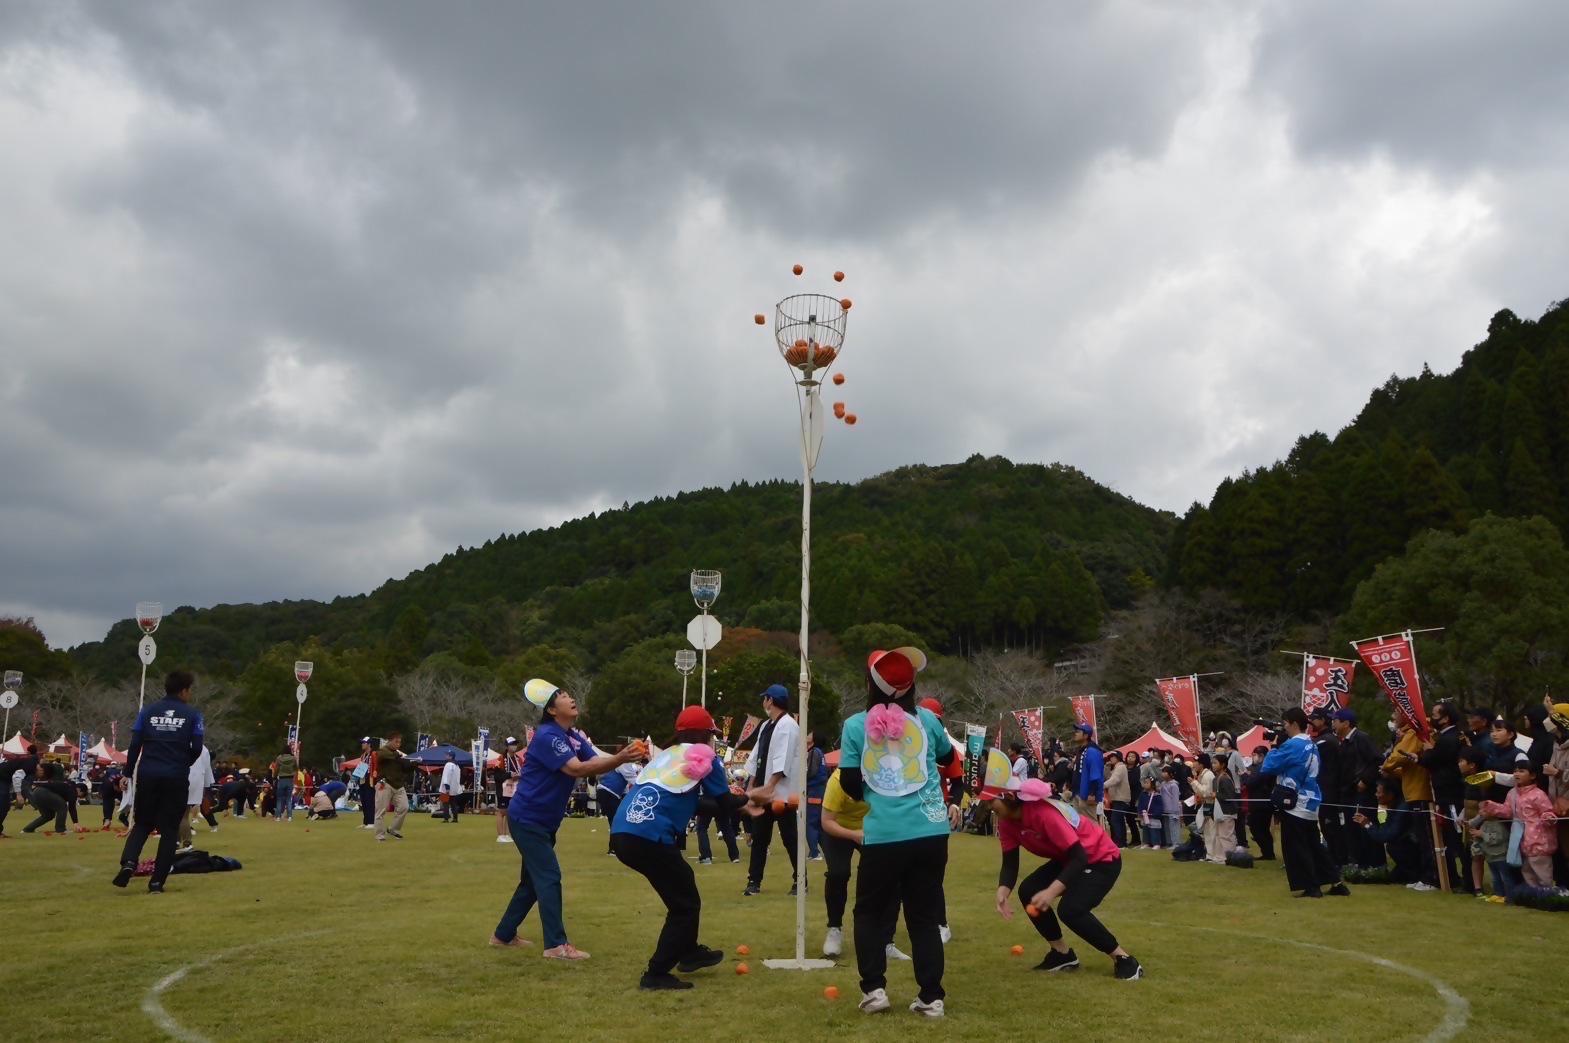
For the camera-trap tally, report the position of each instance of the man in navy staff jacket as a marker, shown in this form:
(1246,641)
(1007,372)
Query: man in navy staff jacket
(165,742)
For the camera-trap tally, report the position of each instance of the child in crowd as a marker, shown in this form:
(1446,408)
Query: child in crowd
(1171,804)
(1531,810)
(1473,761)
(1224,837)
(1152,815)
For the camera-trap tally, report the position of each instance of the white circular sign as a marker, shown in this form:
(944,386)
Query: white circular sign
(704,632)
(147,650)
(299,694)
(8,700)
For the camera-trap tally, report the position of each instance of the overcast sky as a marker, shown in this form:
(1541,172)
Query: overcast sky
(297,297)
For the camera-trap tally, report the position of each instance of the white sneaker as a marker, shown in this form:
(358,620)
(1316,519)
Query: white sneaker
(928,1010)
(944,933)
(875,1002)
(503,840)
(833,942)
(894,953)
(1420,886)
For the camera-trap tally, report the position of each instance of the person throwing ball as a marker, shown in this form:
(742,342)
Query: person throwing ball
(647,831)
(1082,866)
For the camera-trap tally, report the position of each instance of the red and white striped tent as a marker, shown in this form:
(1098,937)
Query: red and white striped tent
(15,746)
(106,753)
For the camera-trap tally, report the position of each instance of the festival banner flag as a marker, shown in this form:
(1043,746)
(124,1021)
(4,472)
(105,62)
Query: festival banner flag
(1029,722)
(974,761)
(725,724)
(81,751)
(528,735)
(293,742)
(423,742)
(1180,696)
(1392,658)
(1326,682)
(748,726)
(1084,710)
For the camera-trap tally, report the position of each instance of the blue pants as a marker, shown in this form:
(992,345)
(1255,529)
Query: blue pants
(814,827)
(540,881)
(283,799)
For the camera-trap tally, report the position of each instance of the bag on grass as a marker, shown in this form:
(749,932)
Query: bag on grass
(1239,858)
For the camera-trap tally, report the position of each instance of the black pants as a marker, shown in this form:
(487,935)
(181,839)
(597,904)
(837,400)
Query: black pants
(1242,825)
(368,804)
(608,803)
(1332,823)
(837,853)
(160,804)
(727,829)
(1456,853)
(1420,833)
(671,878)
(911,872)
(108,802)
(1084,893)
(1259,815)
(5,805)
(50,806)
(1118,816)
(763,834)
(1308,865)
(208,816)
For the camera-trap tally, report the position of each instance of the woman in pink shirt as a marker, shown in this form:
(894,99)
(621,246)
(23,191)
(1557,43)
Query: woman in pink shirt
(1082,866)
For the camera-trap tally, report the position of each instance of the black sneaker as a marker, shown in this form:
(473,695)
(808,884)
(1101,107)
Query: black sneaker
(154,888)
(1128,969)
(1340,891)
(1059,961)
(700,958)
(751,889)
(792,890)
(662,981)
(394,833)
(123,877)
(1315,893)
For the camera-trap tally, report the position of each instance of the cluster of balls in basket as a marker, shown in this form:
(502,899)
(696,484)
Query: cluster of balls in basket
(808,354)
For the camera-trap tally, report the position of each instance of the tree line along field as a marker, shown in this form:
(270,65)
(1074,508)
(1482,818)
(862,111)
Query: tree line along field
(325,933)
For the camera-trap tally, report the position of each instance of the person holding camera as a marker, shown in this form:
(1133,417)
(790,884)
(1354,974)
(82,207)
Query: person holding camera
(1296,795)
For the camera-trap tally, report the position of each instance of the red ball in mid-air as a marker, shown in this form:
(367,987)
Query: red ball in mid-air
(849,418)
(761,320)
(838,378)
(838,277)
(845,304)
(798,269)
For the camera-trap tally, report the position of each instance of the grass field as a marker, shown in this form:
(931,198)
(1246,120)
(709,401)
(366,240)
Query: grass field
(326,934)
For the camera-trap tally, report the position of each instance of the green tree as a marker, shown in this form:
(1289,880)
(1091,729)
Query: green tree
(1497,590)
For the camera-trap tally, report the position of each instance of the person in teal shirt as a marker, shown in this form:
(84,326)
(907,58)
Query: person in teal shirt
(888,757)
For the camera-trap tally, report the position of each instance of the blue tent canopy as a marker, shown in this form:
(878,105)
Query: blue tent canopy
(436,756)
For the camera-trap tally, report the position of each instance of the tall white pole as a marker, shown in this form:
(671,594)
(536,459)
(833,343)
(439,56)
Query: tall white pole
(142,695)
(703,686)
(809,406)
(683,691)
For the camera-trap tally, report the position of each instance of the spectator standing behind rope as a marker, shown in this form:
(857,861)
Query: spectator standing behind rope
(506,785)
(165,742)
(1359,774)
(1557,772)
(1256,784)
(1294,763)
(1331,818)
(1416,786)
(1089,774)
(1440,757)
(1119,801)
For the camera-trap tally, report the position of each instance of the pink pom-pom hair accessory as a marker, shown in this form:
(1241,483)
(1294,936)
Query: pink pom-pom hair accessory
(885,721)
(699,761)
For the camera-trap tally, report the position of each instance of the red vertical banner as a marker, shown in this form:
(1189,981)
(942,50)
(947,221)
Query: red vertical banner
(1180,696)
(1393,662)
(1326,682)
(1084,711)
(1029,722)
(748,726)
(725,724)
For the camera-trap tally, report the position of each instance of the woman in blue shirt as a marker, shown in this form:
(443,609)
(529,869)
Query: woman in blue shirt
(888,757)
(558,756)
(646,836)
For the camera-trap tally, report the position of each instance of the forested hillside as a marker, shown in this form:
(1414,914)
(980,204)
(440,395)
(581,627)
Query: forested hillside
(1427,452)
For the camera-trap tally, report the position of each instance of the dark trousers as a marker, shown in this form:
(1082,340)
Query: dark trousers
(50,805)
(1308,865)
(1456,853)
(1259,815)
(1332,823)
(837,853)
(725,821)
(368,804)
(671,878)
(108,802)
(449,810)
(1242,825)
(1118,817)
(608,803)
(814,828)
(539,882)
(911,872)
(5,805)
(763,834)
(1420,833)
(1084,893)
(160,804)
(208,816)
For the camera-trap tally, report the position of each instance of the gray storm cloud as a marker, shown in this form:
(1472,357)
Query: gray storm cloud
(298,297)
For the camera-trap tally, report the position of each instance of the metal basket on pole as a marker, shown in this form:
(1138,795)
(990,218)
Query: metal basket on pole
(686,659)
(809,333)
(704,630)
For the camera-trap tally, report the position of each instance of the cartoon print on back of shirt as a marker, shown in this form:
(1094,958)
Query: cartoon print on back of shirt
(642,807)
(897,766)
(665,771)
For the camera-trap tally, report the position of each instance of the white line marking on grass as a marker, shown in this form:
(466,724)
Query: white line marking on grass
(1457,1009)
(152,1002)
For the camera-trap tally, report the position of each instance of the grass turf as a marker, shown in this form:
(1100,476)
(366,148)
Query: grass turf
(327,934)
